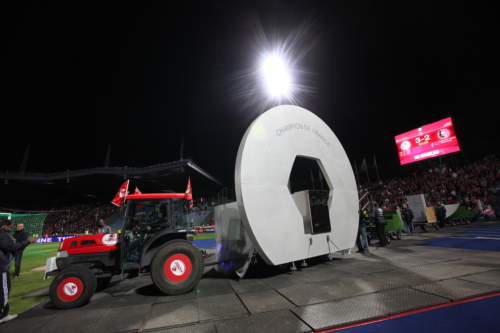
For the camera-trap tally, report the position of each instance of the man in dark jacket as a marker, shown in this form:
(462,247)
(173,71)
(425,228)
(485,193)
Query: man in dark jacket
(408,218)
(441,214)
(362,244)
(20,236)
(378,217)
(8,246)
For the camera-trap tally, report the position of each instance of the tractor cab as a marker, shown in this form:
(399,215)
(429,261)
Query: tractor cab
(150,220)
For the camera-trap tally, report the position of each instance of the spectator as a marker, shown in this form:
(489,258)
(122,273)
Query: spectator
(363,242)
(378,217)
(8,245)
(441,214)
(102,228)
(20,236)
(408,219)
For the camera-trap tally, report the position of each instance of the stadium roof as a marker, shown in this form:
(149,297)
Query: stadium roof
(103,183)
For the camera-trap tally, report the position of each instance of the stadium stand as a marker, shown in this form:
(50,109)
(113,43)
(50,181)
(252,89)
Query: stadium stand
(465,185)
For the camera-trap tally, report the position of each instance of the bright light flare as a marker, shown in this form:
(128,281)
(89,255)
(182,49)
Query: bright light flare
(276,76)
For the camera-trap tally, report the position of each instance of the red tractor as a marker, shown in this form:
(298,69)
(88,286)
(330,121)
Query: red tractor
(153,240)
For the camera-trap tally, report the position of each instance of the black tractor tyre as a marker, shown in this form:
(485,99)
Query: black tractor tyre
(177,267)
(73,287)
(103,282)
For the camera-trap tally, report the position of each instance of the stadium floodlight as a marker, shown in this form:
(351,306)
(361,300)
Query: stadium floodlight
(276,75)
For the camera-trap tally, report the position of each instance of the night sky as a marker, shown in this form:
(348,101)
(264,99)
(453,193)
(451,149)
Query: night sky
(78,75)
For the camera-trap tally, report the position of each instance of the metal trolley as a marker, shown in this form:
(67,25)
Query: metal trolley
(393,228)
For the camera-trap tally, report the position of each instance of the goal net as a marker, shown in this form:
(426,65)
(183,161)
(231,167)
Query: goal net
(33,223)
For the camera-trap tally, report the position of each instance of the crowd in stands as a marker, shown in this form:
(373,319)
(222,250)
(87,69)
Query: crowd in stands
(88,223)
(465,185)
(60,217)
(75,219)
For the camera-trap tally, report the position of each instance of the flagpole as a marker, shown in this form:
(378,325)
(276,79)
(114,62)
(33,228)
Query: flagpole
(312,179)
(366,169)
(356,167)
(320,179)
(376,167)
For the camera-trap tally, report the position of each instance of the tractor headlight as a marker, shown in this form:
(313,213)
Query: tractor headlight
(61,254)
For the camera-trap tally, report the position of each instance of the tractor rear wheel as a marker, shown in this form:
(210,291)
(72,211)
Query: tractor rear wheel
(177,267)
(73,287)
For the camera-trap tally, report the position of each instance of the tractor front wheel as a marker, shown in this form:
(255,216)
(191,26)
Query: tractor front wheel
(177,267)
(73,287)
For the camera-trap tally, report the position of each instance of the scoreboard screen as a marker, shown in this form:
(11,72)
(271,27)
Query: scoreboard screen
(428,141)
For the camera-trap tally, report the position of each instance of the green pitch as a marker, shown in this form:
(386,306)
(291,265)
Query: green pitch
(35,255)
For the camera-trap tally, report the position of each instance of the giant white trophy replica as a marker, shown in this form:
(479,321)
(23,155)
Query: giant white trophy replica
(266,217)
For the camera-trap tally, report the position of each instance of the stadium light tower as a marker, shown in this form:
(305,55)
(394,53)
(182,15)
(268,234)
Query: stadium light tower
(276,76)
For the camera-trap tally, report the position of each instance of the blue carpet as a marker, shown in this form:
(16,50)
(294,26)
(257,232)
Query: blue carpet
(469,244)
(205,243)
(477,316)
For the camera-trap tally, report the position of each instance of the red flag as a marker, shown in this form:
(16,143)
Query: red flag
(120,196)
(137,191)
(189,193)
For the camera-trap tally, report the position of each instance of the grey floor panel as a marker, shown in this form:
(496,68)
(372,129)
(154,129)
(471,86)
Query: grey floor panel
(175,298)
(370,267)
(396,279)
(402,299)
(200,328)
(491,278)
(224,306)
(213,281)
(248,285)
(100,301)
(118,288)
(456,289)
(325,274)
(282,281)
(25,323)
(208,290)
(338,313)
(326,291)
(47,308)
(134,299)
(441,271)
(265,301)
(72,322)
(487,262)
(131,322)
(172,314)
(272,322)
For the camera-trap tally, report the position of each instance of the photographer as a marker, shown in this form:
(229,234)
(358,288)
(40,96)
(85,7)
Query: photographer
(8,246)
